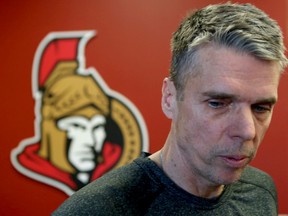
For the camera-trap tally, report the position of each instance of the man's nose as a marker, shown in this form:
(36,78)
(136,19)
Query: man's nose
(244,124)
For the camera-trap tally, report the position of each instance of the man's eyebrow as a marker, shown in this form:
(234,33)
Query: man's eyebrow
(271,100)
(219,95)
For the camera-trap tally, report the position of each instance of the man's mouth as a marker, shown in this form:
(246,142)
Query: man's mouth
(235,161)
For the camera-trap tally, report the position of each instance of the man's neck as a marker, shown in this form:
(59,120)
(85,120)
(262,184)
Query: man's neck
(185,180)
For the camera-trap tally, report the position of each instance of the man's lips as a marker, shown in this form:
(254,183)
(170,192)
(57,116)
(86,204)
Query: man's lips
(235,161)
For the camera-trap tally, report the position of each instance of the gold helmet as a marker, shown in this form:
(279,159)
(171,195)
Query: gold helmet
(68,93)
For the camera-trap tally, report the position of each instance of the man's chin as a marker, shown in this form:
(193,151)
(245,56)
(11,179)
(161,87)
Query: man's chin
(231,177)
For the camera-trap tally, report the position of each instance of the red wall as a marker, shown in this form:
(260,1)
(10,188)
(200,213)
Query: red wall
(131,52)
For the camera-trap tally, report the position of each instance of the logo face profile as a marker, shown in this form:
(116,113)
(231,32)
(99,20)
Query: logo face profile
(83,129)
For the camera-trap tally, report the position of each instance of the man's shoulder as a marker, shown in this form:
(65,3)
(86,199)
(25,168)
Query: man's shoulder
(117,190)
(120,179)
(259,179)
(123,178)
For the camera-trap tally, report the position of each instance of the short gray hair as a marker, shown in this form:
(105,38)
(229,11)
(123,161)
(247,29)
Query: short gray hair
(240,26)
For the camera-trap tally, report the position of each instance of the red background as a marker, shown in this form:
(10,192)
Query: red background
(131,52)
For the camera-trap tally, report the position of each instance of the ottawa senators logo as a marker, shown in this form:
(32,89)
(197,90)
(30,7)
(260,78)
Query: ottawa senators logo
(82,128)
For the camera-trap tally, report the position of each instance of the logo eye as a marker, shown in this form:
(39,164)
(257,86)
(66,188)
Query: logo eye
(78,126)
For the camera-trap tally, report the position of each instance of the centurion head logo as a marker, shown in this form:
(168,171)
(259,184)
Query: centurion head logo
(82,128)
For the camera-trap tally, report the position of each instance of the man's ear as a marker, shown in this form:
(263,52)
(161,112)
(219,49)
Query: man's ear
(168,101)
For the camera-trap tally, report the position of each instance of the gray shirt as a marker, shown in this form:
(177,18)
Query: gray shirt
(141,188)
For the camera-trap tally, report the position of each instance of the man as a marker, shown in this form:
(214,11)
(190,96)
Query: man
(226,65)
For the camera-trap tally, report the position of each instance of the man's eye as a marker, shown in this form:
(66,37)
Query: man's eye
(261,108)
(216,104)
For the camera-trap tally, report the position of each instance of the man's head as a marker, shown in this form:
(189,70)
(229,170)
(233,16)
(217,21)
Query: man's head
(242,27)
(226,64)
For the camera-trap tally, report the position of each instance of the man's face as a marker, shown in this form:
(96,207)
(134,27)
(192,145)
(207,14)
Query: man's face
(225,113)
